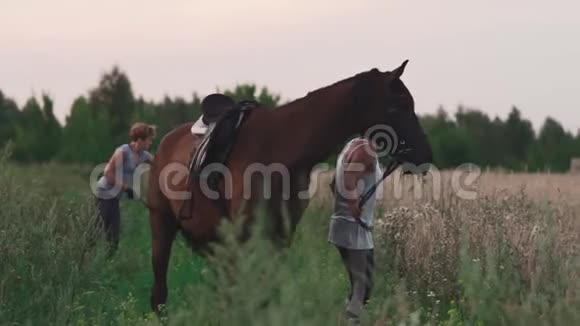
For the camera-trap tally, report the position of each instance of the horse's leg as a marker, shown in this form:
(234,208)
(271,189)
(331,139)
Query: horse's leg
(163,230)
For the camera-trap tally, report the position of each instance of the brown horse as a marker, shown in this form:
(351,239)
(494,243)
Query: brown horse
(296,137)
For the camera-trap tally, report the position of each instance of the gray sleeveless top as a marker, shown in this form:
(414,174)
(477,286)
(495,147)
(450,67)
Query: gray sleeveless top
(129,164)
(341,208)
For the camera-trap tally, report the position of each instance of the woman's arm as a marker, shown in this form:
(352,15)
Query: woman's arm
(361,163)
(115,164)
(149,157)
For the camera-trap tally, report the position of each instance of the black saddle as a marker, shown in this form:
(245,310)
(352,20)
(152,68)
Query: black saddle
(214,106)
(218,142)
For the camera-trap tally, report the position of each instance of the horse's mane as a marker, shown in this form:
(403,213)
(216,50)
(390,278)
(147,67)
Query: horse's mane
(315,93)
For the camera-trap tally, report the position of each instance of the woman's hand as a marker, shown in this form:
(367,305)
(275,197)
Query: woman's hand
(354,208)
(130,193)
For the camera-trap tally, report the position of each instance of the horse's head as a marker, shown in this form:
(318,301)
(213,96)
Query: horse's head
(390,117)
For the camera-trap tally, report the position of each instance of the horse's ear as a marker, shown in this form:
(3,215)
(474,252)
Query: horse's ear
(397,73)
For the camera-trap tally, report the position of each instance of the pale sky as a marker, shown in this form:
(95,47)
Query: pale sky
(488,54)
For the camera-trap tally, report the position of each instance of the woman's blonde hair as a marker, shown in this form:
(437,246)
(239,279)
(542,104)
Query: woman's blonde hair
(141,130)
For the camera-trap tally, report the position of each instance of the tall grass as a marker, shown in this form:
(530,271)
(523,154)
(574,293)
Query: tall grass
(47,259)
(497,260)
(500,260)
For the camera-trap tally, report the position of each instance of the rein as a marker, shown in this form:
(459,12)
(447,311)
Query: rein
(392,166)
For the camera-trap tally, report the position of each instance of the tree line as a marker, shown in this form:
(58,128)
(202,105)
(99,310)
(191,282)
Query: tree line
(99,121)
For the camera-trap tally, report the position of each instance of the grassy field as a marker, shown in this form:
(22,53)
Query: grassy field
(508,257)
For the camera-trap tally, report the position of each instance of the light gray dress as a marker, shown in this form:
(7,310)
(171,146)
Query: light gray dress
(344,231)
